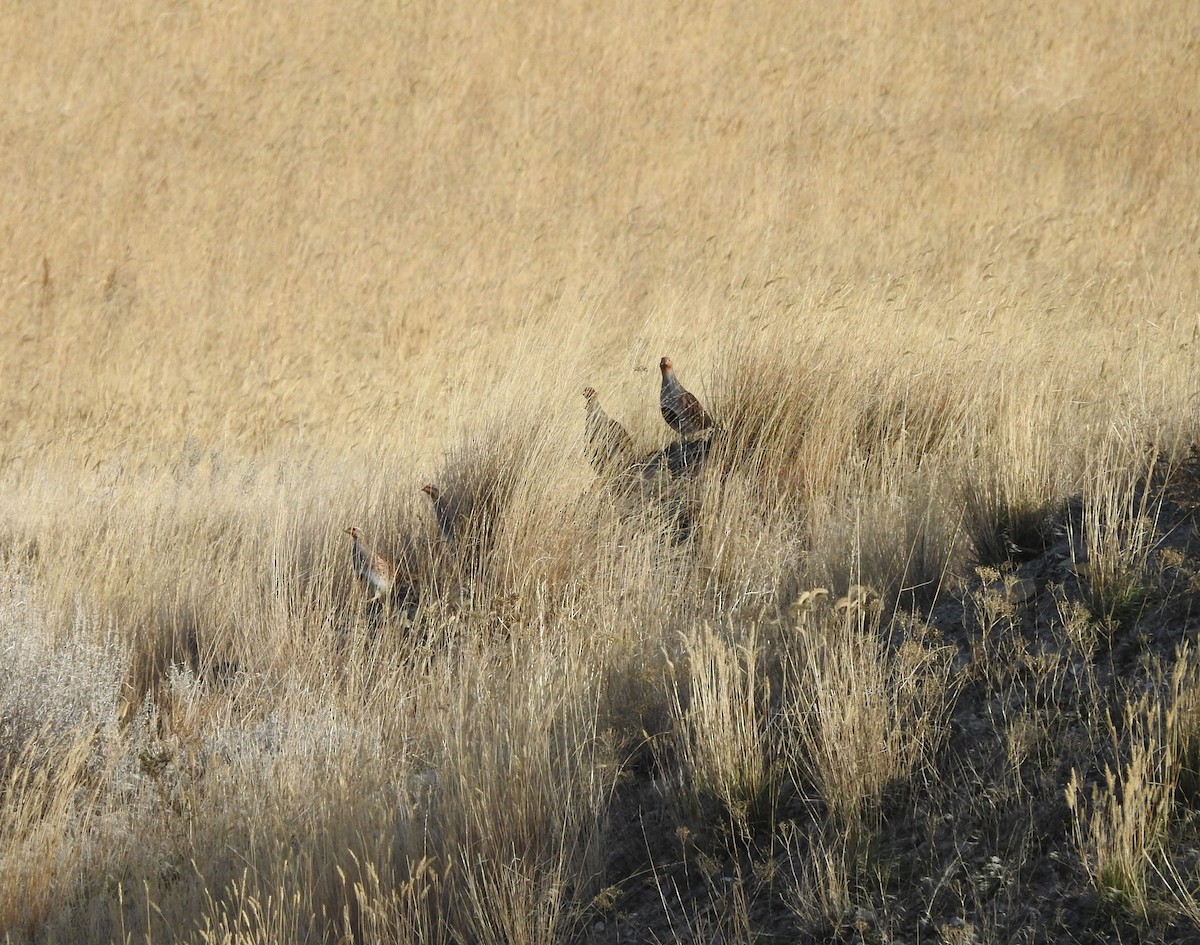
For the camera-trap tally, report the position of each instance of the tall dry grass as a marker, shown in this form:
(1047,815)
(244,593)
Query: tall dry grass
(269,273)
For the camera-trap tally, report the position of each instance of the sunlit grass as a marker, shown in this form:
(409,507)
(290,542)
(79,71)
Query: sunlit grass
(931,271)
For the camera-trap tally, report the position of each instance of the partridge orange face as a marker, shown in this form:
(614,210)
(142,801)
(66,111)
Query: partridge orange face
(353,532)
(665,365)
(430,491)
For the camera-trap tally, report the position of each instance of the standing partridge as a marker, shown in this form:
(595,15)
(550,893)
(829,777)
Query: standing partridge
(680,408)
(609,445)
(372,568)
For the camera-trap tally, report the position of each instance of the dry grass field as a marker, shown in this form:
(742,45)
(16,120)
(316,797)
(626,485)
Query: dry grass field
(910,658)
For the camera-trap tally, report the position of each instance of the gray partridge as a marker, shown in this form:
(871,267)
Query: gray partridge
(610,447)
(680,408)
(443,511)
(373,569)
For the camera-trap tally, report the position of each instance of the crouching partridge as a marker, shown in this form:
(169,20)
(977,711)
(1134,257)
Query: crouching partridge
(377,573)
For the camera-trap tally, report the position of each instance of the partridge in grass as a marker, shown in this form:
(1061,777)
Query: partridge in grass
(376,572)
(443,511)
(609,445)
(680,408)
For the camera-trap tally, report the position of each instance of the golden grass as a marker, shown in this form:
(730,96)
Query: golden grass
(269,272)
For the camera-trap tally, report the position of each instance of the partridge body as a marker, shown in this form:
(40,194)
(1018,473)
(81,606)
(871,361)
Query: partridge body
(610,447)
(376,572)
(680,408)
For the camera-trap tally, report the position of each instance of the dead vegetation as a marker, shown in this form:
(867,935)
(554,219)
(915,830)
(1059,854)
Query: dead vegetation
(903,652)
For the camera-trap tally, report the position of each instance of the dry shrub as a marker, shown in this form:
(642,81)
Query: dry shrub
(1003,659)
(59,744)
(228,802)
(53,684)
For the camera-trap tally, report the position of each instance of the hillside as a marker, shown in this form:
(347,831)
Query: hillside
(902,651)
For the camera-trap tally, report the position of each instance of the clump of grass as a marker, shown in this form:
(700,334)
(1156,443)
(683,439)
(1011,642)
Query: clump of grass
(516,536)
(1120,825)
(766,407)
(800,425)
(1124,824)
(52,805)
(396,908)
(1013,478)
(477,484)
(857,718)
(721,741)
(1008,510)
(819,887)
(1004,525)
(514,815)
(910,415)
(1130,828)
(1183,722)
(896,539)
(1119,523)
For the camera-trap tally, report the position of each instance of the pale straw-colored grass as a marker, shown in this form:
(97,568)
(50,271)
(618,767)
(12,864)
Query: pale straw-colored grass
(269,272)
